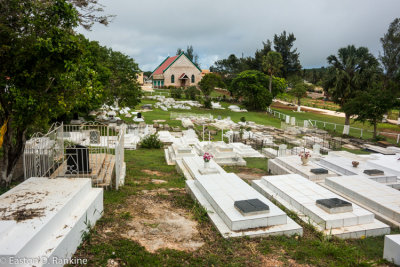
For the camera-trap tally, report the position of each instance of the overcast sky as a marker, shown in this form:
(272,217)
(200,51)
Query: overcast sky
(150,30)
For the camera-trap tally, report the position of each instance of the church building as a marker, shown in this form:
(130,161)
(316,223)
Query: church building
(178,71)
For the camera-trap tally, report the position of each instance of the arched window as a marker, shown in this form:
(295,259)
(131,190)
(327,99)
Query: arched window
(192,78)
(172,78)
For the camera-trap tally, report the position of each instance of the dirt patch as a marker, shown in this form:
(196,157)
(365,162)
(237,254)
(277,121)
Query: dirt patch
(158,181)
(150,172)
(250,176)
(155,224)
(283,106)
(19,211)
(271,261)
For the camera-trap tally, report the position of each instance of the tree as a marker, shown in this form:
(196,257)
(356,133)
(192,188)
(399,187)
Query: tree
(38,56)
(299,90)
(391,50)
(391,58)
(90,12)
(272,63)
(252,86)
(190,54)
(283,44)
(123,87)
(259,55)
(208,84)
(370,105)
(350,72)
(179,51)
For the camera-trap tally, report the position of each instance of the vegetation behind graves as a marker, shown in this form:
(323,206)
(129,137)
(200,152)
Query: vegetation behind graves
(49,72)
(151,141)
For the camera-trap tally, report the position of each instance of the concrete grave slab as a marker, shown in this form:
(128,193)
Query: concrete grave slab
(218,194)
(301,195)
(44,218)
(382,200)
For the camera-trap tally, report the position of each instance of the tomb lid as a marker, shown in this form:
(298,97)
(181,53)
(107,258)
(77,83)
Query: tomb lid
(374,172)
(333,203)
(319,171)
(251,206)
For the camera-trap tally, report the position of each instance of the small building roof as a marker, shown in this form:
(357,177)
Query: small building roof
(168,62)
(165,64)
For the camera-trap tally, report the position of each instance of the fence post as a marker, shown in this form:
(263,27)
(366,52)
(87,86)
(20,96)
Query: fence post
(398,137)
(361,133)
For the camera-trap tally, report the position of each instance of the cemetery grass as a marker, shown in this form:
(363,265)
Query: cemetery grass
(104,241)
(367,128)
(265,119)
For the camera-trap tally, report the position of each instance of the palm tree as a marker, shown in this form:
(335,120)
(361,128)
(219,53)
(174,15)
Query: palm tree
(351,71)
(272,63)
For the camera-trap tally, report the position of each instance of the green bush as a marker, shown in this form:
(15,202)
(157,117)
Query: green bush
(191,92)
(207,103)
(151,141)
(243,119)
(176,93)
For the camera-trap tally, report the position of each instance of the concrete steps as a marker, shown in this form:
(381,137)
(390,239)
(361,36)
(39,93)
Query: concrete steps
(63,209)
(105,178)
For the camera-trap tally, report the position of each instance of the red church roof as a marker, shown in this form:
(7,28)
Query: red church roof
(165,65)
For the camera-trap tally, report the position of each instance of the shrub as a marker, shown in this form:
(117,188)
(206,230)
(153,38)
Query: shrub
(207,103)
(243,119)
(151,141)
(191,92)
(176,93)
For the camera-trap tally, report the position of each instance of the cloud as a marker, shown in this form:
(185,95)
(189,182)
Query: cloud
(150,30)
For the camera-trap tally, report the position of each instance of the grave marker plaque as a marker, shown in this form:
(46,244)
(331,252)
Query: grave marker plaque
(334,205)
(319,171)
(374,172)
(251,207)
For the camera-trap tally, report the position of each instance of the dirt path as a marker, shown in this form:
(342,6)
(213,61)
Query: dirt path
(155,224)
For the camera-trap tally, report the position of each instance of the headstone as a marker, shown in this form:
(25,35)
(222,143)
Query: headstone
(94,137)
(77,160)
(139,115)
(334,205)
(287,119)
(282,150)
(219,117)
(319,171)
(306,124)
(346,129)
(298,108)
(316,149)
(374,172)
(251,207)
(293,121)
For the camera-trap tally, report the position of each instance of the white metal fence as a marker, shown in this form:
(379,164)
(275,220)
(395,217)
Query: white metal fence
(89,150)
(353,131)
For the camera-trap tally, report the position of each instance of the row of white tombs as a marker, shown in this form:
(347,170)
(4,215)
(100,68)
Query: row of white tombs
(340,194)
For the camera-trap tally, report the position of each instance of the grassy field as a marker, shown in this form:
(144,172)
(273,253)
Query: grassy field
(367,128)
(107,242)
(158,114)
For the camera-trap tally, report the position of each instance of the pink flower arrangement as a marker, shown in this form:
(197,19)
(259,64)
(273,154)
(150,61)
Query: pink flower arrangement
(207,157)
(305,155)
